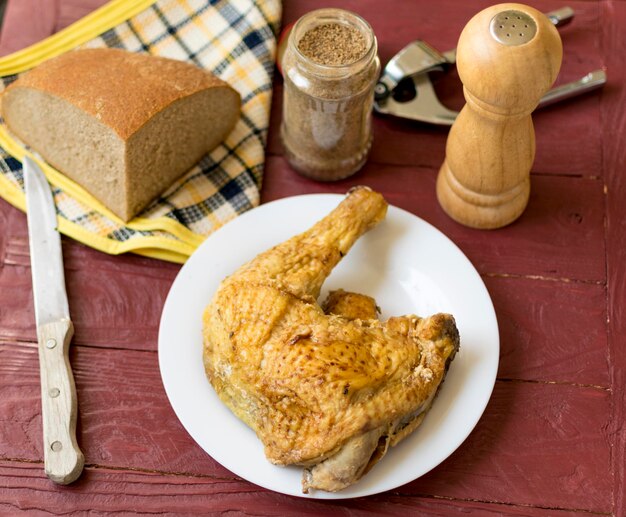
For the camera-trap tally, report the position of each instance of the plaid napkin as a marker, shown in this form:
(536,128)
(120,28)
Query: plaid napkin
(234,39)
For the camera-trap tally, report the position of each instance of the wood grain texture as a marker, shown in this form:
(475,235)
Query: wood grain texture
(551,331)
(560,235)
(614,153)
(484,181)
(120,300)
(16,34)
(102,490)
(71,10)
(29,21)
(530,430)
(553,439)
(126,421)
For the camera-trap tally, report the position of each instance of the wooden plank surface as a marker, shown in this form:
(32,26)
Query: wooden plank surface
(614,155)
(552,440)
(559,236)
(108,491)
(28,21)
(132,426)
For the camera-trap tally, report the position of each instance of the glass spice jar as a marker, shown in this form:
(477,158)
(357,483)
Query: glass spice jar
(330,68)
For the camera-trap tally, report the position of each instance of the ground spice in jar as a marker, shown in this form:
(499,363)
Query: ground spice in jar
(330,69)
(333,44)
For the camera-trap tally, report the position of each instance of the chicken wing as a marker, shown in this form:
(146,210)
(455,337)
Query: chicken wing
(311,383)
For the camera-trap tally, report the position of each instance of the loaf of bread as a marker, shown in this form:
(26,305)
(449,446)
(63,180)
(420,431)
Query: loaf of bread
(124,126)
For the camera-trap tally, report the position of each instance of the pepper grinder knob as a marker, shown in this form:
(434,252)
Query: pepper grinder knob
(508,56)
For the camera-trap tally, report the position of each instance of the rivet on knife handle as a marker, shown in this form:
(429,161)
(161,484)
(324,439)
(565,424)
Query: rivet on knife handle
(63,459)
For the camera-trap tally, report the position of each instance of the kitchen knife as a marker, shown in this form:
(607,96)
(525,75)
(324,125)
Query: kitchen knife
(63,459)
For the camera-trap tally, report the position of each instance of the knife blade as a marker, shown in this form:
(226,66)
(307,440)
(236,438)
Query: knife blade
(63,458)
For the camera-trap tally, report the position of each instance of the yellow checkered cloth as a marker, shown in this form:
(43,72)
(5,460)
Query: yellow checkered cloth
(235,40)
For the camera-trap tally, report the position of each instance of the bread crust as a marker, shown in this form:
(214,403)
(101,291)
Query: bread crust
(123,90)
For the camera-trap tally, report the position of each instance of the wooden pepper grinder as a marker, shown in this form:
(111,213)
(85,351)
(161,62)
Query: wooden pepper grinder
(508,56)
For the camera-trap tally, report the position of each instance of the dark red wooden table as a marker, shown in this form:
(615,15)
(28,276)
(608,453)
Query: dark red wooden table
(552,439)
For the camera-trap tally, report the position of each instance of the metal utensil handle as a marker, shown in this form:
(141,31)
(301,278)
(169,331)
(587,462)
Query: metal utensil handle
(62,457)
(561,16)
(591,81)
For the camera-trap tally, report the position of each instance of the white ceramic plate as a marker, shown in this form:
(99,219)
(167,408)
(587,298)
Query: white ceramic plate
(406,264)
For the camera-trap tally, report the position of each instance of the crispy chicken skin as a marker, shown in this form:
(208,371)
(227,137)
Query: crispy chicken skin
(361,452)
(354,306)
(306,382)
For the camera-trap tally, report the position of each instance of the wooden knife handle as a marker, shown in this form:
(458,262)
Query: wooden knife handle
(63,459)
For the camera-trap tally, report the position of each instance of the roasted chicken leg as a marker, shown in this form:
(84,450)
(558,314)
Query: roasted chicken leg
(326,391)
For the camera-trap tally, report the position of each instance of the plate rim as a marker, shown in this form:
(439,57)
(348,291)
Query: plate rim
(316,494)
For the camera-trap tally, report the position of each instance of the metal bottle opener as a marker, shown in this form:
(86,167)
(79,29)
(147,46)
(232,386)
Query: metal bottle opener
(414,63)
